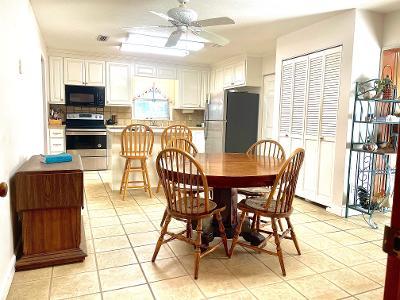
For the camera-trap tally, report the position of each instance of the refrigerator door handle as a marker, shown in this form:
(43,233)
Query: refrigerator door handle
(205,129)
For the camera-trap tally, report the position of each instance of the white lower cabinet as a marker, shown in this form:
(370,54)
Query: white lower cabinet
(56,140)
(198,140)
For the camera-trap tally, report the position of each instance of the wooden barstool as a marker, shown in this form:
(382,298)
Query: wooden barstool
(181,177)
(136,145)
(174,132)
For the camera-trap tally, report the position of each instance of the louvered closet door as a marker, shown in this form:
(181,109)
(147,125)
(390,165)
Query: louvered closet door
(285,108)
(329,110)
(298,111)
(312,126)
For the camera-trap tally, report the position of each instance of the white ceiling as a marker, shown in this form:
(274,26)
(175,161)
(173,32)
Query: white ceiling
(75,24)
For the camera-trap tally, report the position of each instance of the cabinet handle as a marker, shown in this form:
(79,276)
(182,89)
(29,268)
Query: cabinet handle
(3,189)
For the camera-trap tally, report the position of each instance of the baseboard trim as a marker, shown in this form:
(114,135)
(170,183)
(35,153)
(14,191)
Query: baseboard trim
(7,279)
(337,210)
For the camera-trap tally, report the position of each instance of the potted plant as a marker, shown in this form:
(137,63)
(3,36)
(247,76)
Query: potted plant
(384,88)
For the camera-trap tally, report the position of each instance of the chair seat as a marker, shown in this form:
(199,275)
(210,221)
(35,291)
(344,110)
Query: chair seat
(134,156)
(258,203)
(254,191)
(200,207)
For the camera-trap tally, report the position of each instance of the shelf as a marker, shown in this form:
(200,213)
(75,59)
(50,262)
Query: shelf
(378,122)
(360,209)
(379,100)
(379,151)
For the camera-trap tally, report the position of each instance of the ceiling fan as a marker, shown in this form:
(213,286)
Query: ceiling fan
(185,20)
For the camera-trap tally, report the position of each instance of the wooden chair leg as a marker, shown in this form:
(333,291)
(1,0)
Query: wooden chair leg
(142,162)
(128,170)
(278,246)
(238,229)
(222,233)
(123,177)
(161,238)
(189,229)
(197,251)
(158,186)
(293,236)
(280,225)
(147,179)
(163,218)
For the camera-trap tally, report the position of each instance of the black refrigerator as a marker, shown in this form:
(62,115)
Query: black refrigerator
(231,122)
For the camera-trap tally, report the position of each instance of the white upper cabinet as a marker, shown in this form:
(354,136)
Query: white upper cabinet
(166,72)
(56,85)
(95,72)
(81,72)
(236,72)
(145,70)
(118,84)
(190,89)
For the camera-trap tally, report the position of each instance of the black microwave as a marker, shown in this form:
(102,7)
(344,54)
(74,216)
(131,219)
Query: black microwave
(93,96)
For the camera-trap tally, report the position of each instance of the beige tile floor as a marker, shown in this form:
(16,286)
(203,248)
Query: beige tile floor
(341,258)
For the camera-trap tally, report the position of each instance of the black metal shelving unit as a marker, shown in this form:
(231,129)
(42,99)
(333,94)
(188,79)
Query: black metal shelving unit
(371,173)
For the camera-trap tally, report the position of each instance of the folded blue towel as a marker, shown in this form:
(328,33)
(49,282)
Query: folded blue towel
(58,158)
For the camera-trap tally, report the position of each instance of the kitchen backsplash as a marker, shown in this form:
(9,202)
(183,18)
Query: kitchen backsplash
(124,115)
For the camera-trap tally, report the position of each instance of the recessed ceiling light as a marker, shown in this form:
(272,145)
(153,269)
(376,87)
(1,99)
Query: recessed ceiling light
(158,41)
(153,50)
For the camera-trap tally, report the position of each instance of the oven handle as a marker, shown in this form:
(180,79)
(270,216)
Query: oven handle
(85,132)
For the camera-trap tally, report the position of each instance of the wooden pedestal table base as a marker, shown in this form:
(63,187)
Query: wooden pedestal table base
(227,171)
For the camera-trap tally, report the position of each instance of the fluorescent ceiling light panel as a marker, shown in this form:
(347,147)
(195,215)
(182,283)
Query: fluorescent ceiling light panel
(153,50)
(158,41)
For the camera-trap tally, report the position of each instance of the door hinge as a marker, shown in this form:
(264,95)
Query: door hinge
(391,241)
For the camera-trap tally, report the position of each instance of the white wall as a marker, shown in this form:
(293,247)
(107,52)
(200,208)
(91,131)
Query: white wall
(360,33)
(334,31)
(391,33)
(21,110)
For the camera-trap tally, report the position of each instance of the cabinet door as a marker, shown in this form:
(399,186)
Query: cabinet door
(74,71)
(166,72)
(145,70)
(190,88)
(228,76)
(118,84)
(56,80)
(239,73)
(95,73)
(205,88)
(219,80)
(285,109)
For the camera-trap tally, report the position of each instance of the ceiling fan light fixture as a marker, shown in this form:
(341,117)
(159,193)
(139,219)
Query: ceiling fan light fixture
(127,47)
(158,41)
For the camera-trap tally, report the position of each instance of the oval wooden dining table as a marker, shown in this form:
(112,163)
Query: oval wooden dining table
(225,173)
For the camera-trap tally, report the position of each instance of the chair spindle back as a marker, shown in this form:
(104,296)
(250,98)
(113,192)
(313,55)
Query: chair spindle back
(182,177)
(173,132)
(269,148)
(285,183)
(137,140)
(183,144)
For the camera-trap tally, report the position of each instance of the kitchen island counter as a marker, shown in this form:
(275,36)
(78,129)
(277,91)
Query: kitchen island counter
(116,163)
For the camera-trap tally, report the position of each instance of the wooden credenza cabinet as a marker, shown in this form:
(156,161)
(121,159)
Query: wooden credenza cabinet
(48,200)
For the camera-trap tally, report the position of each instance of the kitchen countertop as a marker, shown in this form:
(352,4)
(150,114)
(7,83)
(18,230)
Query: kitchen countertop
(156,129)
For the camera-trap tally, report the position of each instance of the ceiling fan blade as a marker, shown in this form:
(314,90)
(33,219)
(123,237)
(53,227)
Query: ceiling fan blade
(161,15)
(130,29)
(173,38)
(212,37)
(213,22)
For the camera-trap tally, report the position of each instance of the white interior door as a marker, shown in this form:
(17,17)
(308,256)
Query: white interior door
(312,126)
(285,109)
(329,109)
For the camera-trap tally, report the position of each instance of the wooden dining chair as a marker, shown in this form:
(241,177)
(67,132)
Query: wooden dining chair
(264,148)
(136,145)
(173,132)
(181,177)
(187,146)
(278,205)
